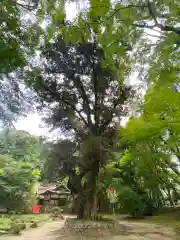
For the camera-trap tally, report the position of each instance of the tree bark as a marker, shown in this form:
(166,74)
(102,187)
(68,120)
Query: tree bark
(80,206)
(92,193)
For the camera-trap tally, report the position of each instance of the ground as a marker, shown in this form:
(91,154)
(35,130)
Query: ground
(48,231)
(129,230)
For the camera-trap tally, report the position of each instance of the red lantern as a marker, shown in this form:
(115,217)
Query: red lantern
(36,209)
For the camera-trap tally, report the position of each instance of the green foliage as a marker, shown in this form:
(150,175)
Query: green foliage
(21,161)
(19,37)
(34,225)
(56,213)
(22,146)
(153,141)
(15,183)
(138,193)
(131,202)
(19,223)
(15,229)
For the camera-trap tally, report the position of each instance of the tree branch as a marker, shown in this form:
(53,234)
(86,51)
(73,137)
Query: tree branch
(29,7)
(171,149)
(58,98)
(152,13)
(166,28)
(96,114)
(85,99)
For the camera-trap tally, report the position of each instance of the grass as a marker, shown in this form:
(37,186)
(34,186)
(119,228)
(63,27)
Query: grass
(5,221)
(169,221)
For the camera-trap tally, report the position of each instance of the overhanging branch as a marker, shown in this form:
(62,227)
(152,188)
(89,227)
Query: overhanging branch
(59,98)
(29,7)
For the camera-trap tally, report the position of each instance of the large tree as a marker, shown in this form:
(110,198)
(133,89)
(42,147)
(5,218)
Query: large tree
(83,98)
(84,65)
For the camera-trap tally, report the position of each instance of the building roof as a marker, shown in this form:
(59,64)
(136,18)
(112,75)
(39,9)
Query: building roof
(52,188)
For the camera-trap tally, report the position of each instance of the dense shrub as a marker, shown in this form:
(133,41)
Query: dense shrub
(17,225)
(56,212)
(15,228)
(136,204)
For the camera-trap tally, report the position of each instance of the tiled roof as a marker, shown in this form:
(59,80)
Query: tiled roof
(52,188)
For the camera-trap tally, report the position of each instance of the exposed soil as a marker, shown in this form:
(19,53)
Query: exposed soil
(46,231)
(124,230)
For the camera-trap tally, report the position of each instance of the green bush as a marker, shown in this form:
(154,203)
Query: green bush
(34,225)
(56,213)
(31,219)
(56,210)
(17,224)
(12,212)
(136,204)
(22,225)
(14,219)
(15,228)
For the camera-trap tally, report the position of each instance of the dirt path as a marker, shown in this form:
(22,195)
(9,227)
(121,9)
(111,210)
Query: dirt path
(145,231)
(127,231)
(48,231)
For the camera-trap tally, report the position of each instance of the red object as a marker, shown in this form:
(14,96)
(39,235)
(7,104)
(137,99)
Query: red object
(36,209)
(110,190)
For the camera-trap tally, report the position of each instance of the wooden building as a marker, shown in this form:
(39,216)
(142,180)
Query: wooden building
(52,195)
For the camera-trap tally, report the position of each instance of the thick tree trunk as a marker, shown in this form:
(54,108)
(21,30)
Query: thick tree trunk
(92,193)
(80,206)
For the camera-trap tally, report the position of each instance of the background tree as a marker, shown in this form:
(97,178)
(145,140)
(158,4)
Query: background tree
(153,140)
(16,181)
(22,146)
(21,166)
(144,183)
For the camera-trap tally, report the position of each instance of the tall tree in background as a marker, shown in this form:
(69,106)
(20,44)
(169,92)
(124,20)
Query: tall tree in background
(16,182)
(22,147)
(21,165)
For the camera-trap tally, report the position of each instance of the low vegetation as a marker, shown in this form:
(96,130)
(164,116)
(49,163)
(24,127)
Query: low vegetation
(16,223)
